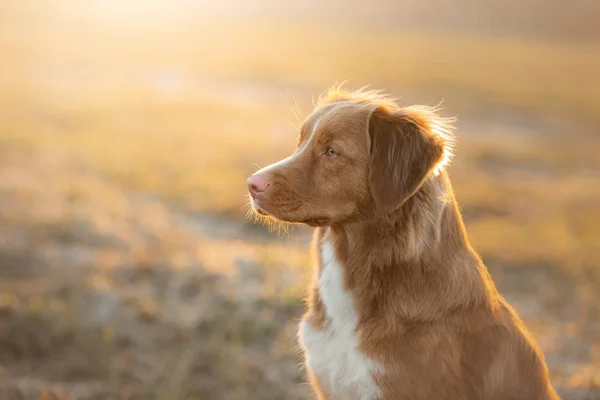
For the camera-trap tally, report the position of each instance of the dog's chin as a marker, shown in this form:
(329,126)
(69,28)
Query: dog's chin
(315,222)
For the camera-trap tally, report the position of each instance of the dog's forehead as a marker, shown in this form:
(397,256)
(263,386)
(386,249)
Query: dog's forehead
(340,117)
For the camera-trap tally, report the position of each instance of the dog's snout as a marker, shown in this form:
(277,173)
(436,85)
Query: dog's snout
(257,184)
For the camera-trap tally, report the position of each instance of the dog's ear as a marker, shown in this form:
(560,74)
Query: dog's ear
(406,145)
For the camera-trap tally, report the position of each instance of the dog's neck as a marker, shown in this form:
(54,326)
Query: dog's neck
(421,246)
(426,225)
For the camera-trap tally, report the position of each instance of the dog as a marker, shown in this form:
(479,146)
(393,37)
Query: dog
(401,306)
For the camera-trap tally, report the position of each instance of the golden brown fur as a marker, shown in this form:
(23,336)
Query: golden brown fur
(428,310)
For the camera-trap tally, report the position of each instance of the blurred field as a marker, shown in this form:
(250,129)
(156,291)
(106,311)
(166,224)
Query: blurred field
(127,267)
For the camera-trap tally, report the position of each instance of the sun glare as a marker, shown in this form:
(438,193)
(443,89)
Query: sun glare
(133,9)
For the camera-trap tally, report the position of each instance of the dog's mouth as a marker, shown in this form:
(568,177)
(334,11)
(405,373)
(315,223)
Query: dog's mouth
(259,209)
(262,212)
(314,222)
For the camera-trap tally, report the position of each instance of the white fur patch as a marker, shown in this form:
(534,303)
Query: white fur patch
(331,353)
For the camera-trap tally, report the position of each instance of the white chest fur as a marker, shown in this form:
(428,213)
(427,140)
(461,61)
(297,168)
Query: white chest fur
(331,353)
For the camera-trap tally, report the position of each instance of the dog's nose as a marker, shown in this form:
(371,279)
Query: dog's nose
(257,184)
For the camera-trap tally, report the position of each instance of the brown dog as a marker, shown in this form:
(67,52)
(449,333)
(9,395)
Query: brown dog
(401,307)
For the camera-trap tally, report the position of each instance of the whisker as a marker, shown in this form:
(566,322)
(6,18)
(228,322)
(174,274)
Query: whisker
(360,214)
(294,127)
(294,112)
(283,226)
(297,107)
(296,103)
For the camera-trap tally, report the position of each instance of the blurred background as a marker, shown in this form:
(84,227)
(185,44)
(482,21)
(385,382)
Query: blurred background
(128,268)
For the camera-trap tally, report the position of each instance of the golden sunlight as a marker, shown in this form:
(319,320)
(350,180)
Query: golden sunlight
(128,129)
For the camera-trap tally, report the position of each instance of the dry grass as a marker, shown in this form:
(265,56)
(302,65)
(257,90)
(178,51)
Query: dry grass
(113,294)
(127,269)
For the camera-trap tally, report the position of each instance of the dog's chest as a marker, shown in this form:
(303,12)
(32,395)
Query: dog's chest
(332,352)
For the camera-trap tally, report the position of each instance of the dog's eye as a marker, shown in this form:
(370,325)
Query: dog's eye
(330,152)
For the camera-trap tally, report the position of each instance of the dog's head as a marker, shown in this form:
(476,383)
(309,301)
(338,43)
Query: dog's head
(359,155)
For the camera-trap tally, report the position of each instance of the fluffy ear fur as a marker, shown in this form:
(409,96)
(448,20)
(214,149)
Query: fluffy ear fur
(407,145)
